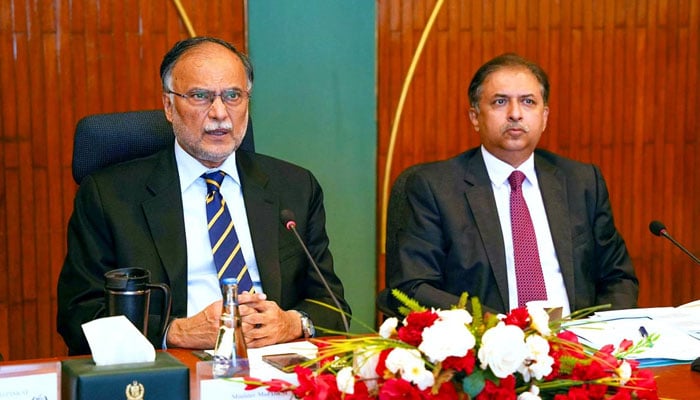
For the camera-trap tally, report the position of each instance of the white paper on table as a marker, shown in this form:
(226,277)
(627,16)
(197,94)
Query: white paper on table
(673,343)
(234,388)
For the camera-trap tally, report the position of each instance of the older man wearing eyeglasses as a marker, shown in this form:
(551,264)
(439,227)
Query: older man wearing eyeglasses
(154,213)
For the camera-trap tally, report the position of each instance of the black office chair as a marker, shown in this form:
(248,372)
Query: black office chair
(105,139)
(396,219)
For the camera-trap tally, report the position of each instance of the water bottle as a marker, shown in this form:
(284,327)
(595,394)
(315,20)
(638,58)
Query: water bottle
(230,347)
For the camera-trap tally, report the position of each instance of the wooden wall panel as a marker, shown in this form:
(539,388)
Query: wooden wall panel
(624,95)
(60,61)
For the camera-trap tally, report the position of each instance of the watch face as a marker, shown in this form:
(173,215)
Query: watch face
(311,328)
(307,327)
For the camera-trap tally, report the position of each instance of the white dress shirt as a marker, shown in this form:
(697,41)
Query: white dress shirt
(499,172)
(203,285)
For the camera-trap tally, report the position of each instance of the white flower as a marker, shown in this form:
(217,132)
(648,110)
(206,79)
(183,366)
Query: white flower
(445,338)
(624,371)
(503,349)
(532,394)
(419,376)
(458,315)
(346,380)
(365,363)
(399,359)
(539,319)
(388,328)
(410,366)
(538,363)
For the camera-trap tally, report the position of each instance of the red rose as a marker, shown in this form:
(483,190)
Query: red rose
(645,385)
(360,393)
(381,363)
(622,394)
(312,387)
(589,372)
(505,390)
(447,391)
(465,363)
(519,317)
(412,332)
(398,389)
(575,393)
(625,344)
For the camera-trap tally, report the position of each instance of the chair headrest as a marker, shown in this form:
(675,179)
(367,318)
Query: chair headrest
(105,139)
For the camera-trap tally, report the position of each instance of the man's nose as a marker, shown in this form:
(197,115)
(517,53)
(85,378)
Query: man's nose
(217,110)
(514,111)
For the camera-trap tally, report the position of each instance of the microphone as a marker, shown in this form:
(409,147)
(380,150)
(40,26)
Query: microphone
(659,229)
(291,225)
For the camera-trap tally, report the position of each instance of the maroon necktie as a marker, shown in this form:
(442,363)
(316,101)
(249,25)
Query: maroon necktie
(528,270)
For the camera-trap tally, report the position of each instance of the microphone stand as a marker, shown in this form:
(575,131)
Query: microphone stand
(680,246)
(658,229)
(291,225)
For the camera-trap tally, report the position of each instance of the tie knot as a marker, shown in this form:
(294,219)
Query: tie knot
(516,179)
(213,180)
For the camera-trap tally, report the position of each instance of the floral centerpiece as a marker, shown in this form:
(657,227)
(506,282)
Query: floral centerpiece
(455,354)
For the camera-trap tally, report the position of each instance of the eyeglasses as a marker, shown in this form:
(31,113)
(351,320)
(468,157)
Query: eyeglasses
(201,98)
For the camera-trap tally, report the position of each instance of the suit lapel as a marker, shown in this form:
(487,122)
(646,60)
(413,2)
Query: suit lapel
(479,195)
(163,211)
(262,209)
(556,204)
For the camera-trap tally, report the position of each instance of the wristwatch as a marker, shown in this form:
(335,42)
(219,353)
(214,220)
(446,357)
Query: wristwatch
(307,326)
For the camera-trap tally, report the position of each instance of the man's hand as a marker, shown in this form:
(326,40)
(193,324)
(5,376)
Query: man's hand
(265,323)
(198,331)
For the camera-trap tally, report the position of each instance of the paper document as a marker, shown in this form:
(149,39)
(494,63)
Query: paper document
(678,329)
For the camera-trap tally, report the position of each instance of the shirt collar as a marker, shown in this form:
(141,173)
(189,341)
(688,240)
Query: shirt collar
(499,171)
(190,169)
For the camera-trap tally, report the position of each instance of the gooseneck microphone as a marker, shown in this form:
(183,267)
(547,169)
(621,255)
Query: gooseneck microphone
(290,223)
(659,229)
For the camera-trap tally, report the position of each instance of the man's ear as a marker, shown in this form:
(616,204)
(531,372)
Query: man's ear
(474,118)
(168,106)
(545,115)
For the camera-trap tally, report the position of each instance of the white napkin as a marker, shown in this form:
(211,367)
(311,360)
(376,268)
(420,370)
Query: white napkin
(115,340)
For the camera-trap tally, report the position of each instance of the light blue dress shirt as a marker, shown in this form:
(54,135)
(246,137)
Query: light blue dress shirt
(202,282)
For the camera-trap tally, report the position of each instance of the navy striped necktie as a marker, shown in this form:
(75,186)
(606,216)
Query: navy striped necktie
(226,248)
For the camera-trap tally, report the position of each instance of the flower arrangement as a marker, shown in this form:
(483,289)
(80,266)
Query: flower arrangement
(455,354)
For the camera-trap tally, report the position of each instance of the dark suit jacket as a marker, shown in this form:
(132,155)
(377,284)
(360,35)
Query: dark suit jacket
(452,242)
(131,215)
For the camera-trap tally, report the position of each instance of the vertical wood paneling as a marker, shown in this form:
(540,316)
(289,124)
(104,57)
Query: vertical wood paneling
(624,95)
(61,61)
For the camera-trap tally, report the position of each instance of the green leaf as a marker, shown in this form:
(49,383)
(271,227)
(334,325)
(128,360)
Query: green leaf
(408,303)
(473,384)
(462,304)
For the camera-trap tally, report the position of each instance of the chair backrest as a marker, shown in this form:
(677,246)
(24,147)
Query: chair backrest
(397,217)
(105,139)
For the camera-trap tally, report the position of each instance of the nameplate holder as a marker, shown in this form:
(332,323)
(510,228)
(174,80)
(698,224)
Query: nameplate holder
(35,381)
(210,388)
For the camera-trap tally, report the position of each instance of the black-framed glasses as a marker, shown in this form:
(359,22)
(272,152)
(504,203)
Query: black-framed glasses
(201,97)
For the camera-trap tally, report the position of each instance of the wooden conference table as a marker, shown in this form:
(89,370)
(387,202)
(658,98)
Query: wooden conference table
(674,381)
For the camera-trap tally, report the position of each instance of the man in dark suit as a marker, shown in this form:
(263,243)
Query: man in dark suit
(150,213)
(459,233)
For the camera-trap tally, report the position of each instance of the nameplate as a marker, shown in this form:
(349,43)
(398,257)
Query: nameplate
(33,381)
(233,388)
(230,388)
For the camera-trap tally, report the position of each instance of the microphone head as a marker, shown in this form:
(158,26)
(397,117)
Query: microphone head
(657,228)
(287,217)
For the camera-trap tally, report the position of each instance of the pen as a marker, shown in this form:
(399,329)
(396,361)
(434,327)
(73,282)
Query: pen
(643,332)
